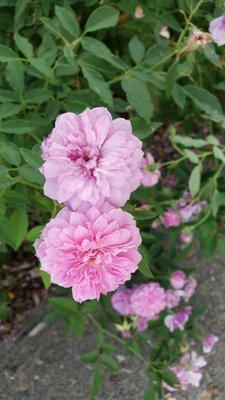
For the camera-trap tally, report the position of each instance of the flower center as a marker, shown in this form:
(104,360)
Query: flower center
(86,158)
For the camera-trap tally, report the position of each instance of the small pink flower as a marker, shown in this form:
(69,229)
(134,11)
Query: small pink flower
(178,321)
(120,301)
(91,251)
(138,12)
(91,157)
(177,279)
(171,218)
(173,298)
(217,30)
(149,178)
(189,289)
(186,237)
(141,324)
(155,224)
(148,300)
(209,342)
(170,181)
(193,365)
(145,206)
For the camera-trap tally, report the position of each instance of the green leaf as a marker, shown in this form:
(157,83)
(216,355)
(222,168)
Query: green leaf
(219,154)
(204,100)
(5,312)
(31,174)
(150,393)
(35,233)
(7,54)
(213,140)
(64,306)
(195,179)
(5,229)
(10,153)
(178,95)
(211,55)
(46,279)
(97,381)
(142,129)
(102,17)
(37,96)
(136,49)
(110,362)
(90,357)
(8,109)
(100,50)
(171,77)
(8,96)
(19,227)
(17,126)
(97,83)
(170,378)
(191,156)
(188,142)
(144,264)
(14,74)
(42,67)
(51,27)
(23,45)
(68,20)
(6,182)
(31,157)
(138,95)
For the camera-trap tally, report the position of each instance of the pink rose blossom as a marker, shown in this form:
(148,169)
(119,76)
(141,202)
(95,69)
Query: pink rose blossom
(149,178)
(91,251)
(173,298)
(148,300)
(186,237)
(217,30)
(177,279)
(209,342)
(189,289)
(178,321)
(91,157)
(121,301)
(171,218)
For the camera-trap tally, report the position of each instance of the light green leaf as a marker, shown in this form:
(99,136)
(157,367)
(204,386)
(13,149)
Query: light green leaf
(14,74)
(100,50)
(64,306)
(188,142)
(219,154)
(31,174)
(37,96)
(170,378)
(18,126)
(6,182)
(110,362)
(32,158)
(10,153)
(35,233)
(68,20)
(42,67)
(195,179)
(138,96)
(97,83)
(142,129)
(211,54)
(7,54)
(102,17)
(136,49)
(192,156)
(19,227)
(97,382)
(46,279)
(23,45)
(213,140)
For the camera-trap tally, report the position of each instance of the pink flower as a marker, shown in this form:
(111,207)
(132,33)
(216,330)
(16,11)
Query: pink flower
(171,218)
(186,237)
(189,212)
(193,365)
(217,30)
(178,321)
(138,12)
(91,251)
(149,178)
(148,300)
(141,324)
(209,342)
(120,301)
(189,289)
(177,279)
(91,157)
(173,298)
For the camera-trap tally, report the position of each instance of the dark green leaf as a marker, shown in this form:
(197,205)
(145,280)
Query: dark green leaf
(7,54)
(18,126)
(142,129)
(145,262)
(32,158)
(102,17)
(99,49)
(137,49)
(19,227)
(138,95)
(171,77)
(68,20)
(37,96)
(15,76)
(10,153)
(90,357)
(42,67)
(46,279)
(170,378)
(97,381)
(34,233)
(64,306)
(23,45)
(9,109)
(110,362)
(97,83)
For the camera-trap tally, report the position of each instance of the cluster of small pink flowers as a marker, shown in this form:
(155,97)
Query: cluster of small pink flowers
(185,211)
(150,171)
(92,163)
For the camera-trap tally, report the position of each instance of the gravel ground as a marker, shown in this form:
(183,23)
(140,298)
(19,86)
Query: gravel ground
(47,367)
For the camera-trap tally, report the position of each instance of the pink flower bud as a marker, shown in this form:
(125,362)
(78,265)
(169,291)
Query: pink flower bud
(177,279)
(171,218)
(209,342)
(139,13)
(186,237)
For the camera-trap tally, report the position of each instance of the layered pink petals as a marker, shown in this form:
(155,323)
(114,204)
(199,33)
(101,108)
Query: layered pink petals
(89,250)
(91,157)
(148,300)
